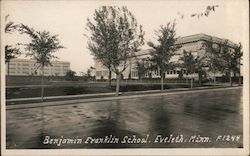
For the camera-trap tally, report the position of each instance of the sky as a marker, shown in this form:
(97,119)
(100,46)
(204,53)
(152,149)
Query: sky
(68,19)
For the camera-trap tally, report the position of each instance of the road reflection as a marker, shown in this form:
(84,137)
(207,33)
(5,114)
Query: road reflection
(209,113)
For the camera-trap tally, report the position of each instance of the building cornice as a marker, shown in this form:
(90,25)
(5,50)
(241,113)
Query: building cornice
(192,39)
(203,37)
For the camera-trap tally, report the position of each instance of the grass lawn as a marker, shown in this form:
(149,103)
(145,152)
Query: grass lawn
(75,89)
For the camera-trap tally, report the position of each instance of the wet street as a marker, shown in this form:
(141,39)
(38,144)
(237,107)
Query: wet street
(191,117)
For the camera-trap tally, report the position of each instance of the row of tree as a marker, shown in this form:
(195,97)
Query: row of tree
(115,36)
(218,57)
(223,57)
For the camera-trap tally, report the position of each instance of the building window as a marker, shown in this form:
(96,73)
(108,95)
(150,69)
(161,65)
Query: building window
(134,74)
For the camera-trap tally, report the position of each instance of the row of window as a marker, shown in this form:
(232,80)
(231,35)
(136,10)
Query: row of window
(31,69)
(21,64)
(134,74)
(27,72)
(19,72)
(173,72)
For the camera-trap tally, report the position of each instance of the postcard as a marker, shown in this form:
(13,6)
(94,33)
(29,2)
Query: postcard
(124,77)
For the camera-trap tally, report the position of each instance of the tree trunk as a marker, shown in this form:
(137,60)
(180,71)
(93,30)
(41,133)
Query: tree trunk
(42,86)
(191,83)
(200,78)
(117,84)
(230,79)
(192,79)
(239,81)
(187,78)
(162,86)
(42,113)
(231,83)
(8,68)
(214,79)
(140,78)
(110,78)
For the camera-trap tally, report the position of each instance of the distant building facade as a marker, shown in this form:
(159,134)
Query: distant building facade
(192,43)
(26,67)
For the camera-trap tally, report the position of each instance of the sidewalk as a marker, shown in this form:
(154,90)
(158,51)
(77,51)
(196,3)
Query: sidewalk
(72,99)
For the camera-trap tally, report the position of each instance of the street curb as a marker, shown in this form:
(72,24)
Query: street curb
(78,101)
